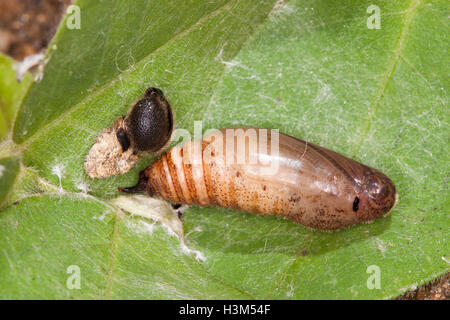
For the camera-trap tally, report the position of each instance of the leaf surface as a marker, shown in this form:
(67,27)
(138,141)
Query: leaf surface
(312,69)
(11,93)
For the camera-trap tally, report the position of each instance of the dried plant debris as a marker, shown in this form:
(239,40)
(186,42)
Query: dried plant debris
(438,289)
(27,26)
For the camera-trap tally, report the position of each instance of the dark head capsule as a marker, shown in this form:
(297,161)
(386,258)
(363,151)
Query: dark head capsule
(150,122)
(146,129)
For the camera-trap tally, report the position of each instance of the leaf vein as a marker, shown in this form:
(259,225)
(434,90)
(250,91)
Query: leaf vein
(392,63)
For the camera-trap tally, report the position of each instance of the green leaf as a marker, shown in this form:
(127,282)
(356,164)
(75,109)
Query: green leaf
(312,69)
(11,93)
(9,169)
(57,239)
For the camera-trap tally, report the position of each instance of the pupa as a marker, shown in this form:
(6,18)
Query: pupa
(267,172)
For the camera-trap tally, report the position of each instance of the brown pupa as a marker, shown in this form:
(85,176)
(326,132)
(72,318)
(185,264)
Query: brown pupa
(266,172)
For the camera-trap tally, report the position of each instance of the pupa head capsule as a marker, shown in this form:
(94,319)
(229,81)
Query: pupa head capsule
(376,198)
(146,129)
